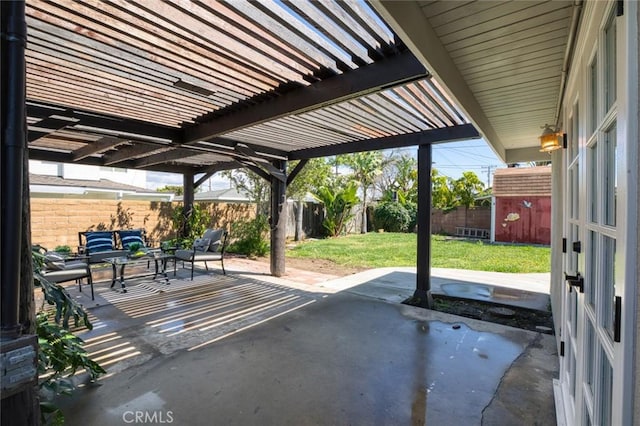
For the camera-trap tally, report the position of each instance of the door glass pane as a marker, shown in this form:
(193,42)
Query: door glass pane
(610,62)
(610,179)
(574,209)
(573,312)
(590,361)
(608,283)
(573,140)
(593,87)
(606,390)
(570,191)
(592,268)
(593,183)
(572,373)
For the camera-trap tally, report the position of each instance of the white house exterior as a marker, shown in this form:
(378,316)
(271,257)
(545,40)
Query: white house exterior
(85,172)
(60,180)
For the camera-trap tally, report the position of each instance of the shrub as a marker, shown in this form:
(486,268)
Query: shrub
(250,236)
(392,217)
(412,209)
(196,224)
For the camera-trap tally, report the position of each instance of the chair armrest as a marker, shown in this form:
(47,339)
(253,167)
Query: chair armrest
(183,254)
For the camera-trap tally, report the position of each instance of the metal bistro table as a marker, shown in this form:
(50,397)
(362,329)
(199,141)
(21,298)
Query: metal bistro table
(159,258)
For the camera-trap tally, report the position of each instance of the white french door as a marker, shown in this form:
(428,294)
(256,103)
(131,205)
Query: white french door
(593,364)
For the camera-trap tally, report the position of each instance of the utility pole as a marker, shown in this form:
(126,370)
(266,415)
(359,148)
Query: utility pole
(489,170)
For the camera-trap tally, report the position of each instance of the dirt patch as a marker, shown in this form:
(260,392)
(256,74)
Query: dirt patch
(321,266)
(513,316)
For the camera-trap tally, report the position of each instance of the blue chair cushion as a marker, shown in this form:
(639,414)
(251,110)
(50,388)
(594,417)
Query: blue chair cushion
(99,241)
(131,236)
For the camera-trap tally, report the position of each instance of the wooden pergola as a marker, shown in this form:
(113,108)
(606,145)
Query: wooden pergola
(195,87)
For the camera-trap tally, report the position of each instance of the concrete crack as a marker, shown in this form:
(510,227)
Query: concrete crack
(533,343)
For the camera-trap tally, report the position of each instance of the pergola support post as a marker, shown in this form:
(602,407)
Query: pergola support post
(422,295)
(187,209)
(19,395)
(14,124)
(278,220)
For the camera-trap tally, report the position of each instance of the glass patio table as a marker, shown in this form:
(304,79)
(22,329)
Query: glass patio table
(158,257)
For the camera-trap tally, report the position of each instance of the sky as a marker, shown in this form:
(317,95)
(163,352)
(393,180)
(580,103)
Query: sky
(450,159)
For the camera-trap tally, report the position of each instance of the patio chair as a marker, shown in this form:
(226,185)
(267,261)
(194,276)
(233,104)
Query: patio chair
(58,269)
(209,248)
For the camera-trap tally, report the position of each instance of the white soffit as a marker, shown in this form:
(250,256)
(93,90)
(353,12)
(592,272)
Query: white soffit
(502,62)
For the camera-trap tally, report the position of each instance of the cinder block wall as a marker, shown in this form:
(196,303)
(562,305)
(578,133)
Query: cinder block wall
(57,222)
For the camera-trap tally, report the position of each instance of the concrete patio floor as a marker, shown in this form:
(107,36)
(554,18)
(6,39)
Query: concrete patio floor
(248,348)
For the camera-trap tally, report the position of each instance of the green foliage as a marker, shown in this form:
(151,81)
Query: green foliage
(365,167)
(250,236)
(400,176)
(61,355)
(338,204)
(467,188)
(442,196)
(447,194)
(191,227)
(134,247)
(244,180)
(62,249)
(176,189)
(55,294)
(392,217)
(313,175)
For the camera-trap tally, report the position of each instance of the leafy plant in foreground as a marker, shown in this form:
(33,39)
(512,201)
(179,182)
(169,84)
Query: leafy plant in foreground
(60,353)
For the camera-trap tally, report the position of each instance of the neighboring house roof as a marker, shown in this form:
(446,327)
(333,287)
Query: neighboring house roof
(227,194)
(58,186)
(231,195)
(101,184)
(515,181)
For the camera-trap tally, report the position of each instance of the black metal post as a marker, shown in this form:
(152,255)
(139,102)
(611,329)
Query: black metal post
(278,221)
(14,139)
(422,295)
(187,199)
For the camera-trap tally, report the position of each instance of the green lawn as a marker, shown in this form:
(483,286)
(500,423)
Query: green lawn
(375,250)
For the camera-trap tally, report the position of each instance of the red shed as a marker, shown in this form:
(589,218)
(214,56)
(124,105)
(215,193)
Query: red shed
(523,205)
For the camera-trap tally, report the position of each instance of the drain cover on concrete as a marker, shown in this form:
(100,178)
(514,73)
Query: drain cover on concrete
(502,312)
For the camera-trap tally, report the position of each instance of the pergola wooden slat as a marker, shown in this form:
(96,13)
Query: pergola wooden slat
(194,87)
